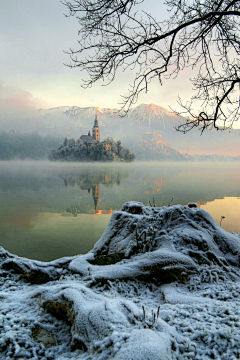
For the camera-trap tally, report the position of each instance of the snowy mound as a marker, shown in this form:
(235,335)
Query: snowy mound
(161,283)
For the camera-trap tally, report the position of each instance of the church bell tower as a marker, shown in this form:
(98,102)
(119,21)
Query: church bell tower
(96,130)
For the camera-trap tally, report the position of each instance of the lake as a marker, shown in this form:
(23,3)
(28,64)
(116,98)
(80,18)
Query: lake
(49,210)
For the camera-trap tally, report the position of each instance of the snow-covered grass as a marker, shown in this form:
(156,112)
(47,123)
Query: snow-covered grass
(161,283)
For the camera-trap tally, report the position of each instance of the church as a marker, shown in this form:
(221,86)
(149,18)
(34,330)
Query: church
(95,137)
(95,133)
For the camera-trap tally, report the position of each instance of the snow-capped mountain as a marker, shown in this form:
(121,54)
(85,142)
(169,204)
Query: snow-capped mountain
(139,129)
(152,115)
(143,116)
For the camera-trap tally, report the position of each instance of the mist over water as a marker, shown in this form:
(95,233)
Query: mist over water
(49,210)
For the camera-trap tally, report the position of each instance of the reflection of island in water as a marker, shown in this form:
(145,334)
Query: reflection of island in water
(34,197)
(91,181)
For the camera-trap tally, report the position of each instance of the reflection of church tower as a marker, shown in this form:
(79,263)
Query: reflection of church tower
(96,130)
(95,194)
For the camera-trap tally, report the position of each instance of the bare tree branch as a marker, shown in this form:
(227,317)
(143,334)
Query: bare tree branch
(116,34)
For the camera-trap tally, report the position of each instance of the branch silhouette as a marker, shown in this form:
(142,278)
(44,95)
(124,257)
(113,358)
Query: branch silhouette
(117,35)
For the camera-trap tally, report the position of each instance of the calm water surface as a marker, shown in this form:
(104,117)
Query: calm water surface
(49,210)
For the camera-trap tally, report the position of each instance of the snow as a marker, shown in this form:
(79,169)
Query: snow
(161,283)
(146,344)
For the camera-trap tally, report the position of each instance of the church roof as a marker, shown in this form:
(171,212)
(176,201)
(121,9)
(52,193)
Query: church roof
(87,138)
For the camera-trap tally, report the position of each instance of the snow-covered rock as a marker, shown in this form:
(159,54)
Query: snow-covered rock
(161,283)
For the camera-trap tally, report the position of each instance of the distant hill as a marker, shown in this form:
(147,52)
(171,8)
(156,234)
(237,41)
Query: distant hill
(152,146)
(149,131)
(21,146)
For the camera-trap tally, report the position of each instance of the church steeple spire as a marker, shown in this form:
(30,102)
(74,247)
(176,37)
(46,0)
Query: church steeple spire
(96,121)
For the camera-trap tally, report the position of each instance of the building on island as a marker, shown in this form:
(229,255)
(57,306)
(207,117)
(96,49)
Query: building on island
(107,146)
(95,137)
(87,138)
(95,134)
(96,130)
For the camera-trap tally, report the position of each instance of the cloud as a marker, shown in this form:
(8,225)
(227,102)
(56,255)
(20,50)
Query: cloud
(14,99)
(18,109)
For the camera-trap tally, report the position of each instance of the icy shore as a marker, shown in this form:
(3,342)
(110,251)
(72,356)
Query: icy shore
(161,283)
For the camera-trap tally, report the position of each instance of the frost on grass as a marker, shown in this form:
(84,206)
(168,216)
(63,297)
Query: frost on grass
(161,283)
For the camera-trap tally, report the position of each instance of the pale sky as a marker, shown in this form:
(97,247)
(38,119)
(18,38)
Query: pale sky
(33,37)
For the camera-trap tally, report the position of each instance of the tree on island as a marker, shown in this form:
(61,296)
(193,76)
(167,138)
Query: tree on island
(116,34)
(71,150)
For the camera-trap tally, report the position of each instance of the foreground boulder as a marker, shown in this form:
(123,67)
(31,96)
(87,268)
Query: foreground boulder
(168,244)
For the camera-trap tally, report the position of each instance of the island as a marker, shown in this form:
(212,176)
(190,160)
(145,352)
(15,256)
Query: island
(90,148)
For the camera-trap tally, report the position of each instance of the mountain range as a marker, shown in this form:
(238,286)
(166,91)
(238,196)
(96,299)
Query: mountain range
(148,129)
